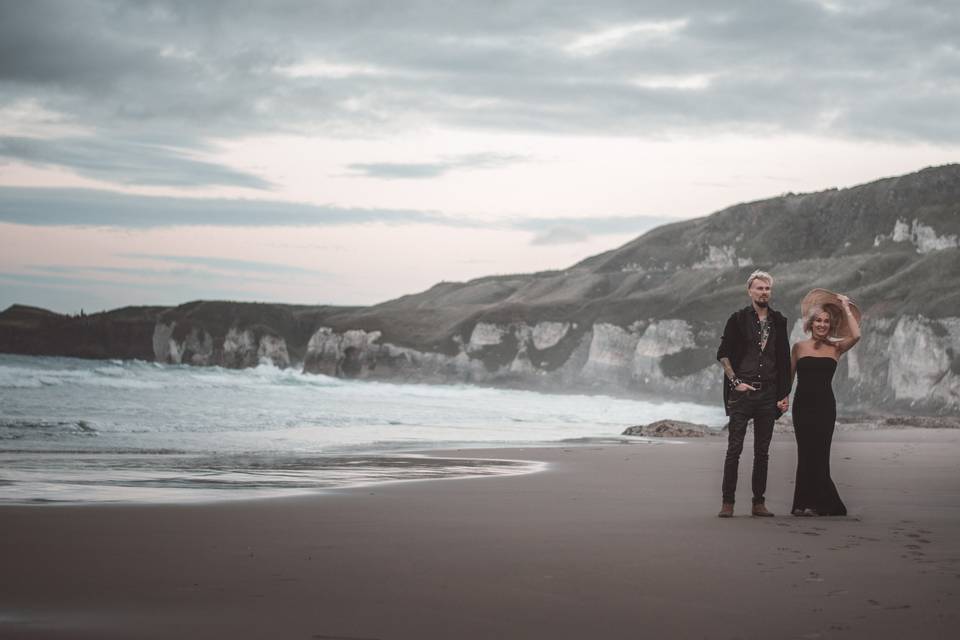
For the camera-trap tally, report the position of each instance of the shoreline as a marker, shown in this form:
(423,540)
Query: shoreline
(407,466)
(608,541)
(446,462)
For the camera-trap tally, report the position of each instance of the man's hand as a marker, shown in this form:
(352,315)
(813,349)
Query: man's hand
(743,386)
(784,404)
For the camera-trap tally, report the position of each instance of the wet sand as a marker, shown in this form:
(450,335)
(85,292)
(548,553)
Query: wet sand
(614,541)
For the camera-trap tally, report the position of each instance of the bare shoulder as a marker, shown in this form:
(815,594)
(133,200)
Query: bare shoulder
(803,347)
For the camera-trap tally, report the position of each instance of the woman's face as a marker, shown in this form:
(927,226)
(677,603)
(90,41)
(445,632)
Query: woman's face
(821,325)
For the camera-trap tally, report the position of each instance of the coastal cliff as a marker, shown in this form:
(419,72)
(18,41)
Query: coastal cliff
(642,319)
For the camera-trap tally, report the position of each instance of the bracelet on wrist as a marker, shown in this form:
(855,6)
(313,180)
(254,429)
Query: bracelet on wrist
(736,382)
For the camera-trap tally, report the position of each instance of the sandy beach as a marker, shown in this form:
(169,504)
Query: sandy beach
(614,541)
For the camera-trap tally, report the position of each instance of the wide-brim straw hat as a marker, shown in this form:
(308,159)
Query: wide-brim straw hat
(830,302)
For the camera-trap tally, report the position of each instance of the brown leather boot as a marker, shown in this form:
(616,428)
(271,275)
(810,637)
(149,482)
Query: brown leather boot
(726,511)
(760,510)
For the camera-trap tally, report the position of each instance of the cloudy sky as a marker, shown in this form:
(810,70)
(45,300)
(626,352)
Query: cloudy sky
(347,152)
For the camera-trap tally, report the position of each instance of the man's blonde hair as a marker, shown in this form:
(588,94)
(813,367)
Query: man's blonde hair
(760,275)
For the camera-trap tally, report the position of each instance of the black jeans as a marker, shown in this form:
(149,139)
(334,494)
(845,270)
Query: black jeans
(761,406)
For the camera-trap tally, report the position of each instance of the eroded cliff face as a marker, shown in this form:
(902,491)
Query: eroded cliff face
(548,355)
(196,348)
(911,363)
(923,363)
(239,348)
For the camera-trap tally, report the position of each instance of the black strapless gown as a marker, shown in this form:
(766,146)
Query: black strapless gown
(814,418)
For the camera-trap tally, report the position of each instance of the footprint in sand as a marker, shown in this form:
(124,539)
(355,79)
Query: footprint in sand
(890,607)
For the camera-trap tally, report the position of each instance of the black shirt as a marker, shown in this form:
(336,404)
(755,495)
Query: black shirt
(736,340)
(757,364)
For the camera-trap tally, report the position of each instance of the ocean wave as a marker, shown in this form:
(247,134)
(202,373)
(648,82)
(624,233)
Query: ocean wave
(17,429)
(52,454)
(260,375)
(12,377)
(113,372)
(35,372)
(9,380)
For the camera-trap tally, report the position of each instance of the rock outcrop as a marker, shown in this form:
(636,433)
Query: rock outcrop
(642,319)
(670,429)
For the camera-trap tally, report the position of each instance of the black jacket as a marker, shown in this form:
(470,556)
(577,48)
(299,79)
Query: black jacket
(733,345)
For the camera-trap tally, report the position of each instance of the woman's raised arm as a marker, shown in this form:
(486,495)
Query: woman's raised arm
(847,343)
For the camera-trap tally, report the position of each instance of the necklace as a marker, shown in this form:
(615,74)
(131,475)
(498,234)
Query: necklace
(764,333)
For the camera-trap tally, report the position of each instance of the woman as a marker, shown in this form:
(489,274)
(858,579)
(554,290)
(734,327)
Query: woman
(833,323)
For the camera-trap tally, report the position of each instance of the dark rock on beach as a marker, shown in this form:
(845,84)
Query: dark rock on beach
(670,429)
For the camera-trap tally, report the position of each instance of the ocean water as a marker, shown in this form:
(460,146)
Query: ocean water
(118,431)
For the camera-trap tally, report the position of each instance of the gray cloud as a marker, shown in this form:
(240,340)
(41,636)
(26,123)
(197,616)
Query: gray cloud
(228,264)
(88,207)
(80,277)
(187,71)
(186,267)
(74,271)
(72,292)
(559,235)
(396,170)
(565,230)
(125,162)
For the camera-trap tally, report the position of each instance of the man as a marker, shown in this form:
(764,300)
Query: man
(755,355)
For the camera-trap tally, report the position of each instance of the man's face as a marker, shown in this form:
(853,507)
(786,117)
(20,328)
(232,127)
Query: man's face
(760,292)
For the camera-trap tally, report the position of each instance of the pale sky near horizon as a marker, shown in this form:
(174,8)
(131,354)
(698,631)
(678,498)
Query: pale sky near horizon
(322,152)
